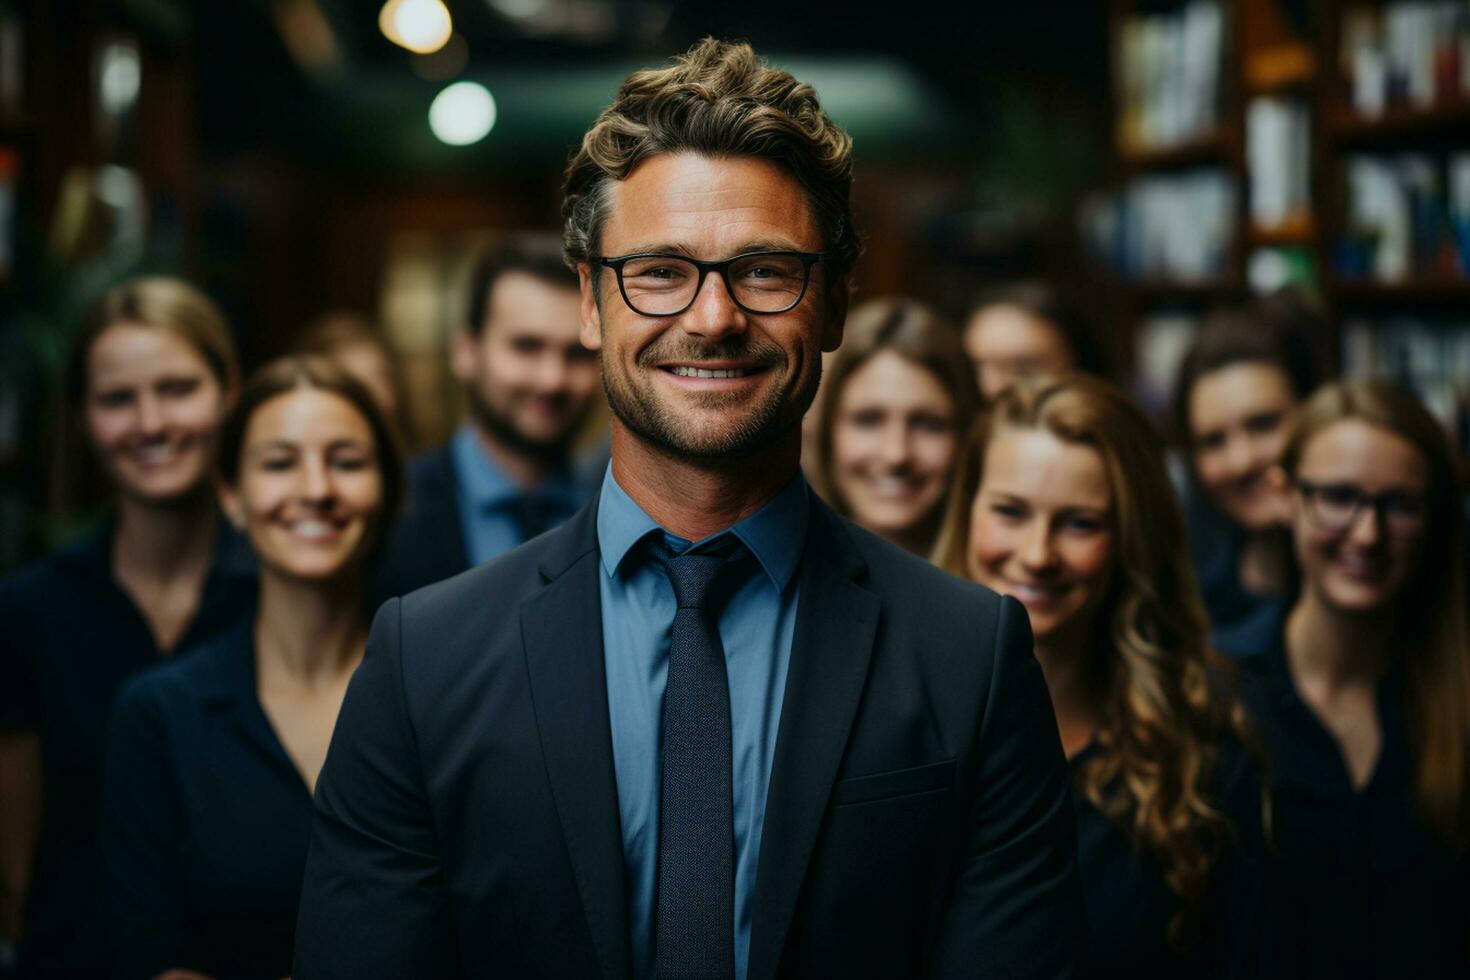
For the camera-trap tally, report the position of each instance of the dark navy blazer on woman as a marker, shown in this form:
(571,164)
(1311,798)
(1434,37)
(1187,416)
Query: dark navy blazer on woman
(205,822)
(1372,892)
(1129,907)
(71,638)
(918,820)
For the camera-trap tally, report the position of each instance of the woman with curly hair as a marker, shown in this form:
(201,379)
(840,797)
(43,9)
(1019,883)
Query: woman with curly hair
(1061,500)
(1363,696)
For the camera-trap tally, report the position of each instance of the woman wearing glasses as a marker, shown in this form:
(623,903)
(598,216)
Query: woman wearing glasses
(1365,701)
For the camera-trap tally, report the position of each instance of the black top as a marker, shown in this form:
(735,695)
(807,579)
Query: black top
(205,822)
(1242,624)
(1129,907)
(71,638)
(1372,891)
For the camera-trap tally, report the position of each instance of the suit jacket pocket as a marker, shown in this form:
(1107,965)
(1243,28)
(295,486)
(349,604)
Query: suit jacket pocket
(895,783)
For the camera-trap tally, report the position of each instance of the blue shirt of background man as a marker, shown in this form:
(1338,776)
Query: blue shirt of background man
(756,628)
(487,498)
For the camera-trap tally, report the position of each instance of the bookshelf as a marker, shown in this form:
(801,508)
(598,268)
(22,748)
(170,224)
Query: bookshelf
(1341,129)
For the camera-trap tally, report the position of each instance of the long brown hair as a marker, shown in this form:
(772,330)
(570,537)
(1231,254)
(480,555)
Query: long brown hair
(1432,618)
(914,332)
(1166,701)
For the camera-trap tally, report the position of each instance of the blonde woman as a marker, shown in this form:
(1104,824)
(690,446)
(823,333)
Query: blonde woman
(152,374)
(1364,697)
(896,399)
(1062,501)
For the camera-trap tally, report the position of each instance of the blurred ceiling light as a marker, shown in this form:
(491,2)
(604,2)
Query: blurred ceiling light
(421,26)
(444,64)
(307,35)
(119,77)
(462,114)
(519,9)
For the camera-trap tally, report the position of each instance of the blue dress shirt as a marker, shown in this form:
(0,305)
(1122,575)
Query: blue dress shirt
(756,629)
(487,496)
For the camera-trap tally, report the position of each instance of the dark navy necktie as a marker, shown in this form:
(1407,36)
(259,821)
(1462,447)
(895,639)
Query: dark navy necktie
(695,932)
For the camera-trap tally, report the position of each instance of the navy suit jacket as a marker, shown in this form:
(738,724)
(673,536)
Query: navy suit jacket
(919,820)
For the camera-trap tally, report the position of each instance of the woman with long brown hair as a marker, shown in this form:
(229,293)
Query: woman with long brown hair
(896,398)
(1061,499)
(1246,372)
(151,375)
(202,873)
(1364,698)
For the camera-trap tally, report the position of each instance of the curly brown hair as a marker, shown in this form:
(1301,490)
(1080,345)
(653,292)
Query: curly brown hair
(718,99)
(1166,700)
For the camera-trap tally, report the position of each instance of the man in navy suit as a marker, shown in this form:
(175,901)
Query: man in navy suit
(507,474)
(707,728)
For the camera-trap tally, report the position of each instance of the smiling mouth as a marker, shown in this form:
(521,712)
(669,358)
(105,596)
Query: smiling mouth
(894,487)
(313,529)
(1033,592)
(685,371)
(156,455)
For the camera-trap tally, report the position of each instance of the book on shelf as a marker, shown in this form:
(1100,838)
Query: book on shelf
(1408,218)
(1278,137)
(9,177)
(1405,54)
(1168,67)
(1165,228)
(1429,356)
(1161,343)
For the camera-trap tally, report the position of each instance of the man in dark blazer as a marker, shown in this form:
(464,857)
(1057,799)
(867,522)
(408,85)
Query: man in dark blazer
(508,473)
(707,728)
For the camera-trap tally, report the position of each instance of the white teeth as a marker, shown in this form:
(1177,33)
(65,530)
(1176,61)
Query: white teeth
(312,529)
(689,372)
(1033,593)
(156,454)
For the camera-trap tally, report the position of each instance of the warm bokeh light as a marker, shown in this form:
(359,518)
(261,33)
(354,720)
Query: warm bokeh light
(421,26)
(462,114)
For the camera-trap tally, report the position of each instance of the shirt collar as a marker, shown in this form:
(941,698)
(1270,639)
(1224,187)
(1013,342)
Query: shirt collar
(487,486)
(775,534)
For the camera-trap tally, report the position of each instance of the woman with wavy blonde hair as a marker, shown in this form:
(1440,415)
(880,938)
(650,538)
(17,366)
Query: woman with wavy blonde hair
(1363,696)
(1061,499)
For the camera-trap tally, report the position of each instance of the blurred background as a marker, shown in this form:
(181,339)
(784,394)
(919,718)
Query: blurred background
(301,157)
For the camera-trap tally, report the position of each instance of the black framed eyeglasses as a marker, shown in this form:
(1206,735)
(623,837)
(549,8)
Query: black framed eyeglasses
(658,284)
(1335,506)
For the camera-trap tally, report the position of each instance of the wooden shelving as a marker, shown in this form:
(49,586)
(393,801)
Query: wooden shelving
(1299,229)
(1394,125)
(1212,148)
(1282,66)
(1184,292)
(1292,53)
(1414,292)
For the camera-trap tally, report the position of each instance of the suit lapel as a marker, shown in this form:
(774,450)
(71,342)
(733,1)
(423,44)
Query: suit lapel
(561,626)
(836,621)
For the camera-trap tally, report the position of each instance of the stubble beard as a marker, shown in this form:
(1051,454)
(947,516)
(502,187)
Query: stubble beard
(502,428)
(660,425)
